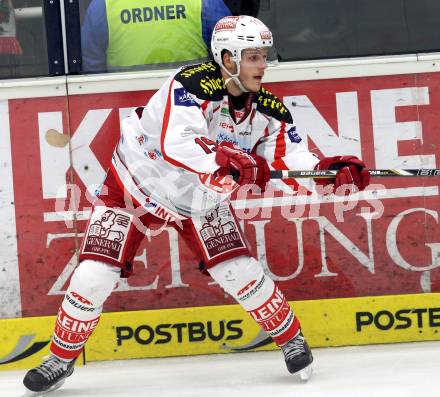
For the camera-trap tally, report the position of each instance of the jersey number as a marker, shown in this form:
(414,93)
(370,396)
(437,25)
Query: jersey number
(205,144)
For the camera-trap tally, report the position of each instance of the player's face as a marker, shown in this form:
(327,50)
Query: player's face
(252,66)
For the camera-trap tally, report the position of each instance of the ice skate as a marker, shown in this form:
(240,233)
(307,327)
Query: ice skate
(47,377)
(298,357)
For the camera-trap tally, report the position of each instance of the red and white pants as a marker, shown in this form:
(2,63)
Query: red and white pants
(111,240)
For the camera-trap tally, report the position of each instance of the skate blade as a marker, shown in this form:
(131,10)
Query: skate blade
(306,373)
(30,393)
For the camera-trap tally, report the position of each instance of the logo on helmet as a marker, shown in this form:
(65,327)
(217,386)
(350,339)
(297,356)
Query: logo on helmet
(266,35)
(227,23)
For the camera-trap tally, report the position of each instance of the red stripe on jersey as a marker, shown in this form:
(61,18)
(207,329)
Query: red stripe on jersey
(204,105)
(252,118)
(266,132)
(166,120)
(280,152)
(280,148)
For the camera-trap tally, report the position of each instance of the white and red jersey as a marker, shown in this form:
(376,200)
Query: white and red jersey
(165,156)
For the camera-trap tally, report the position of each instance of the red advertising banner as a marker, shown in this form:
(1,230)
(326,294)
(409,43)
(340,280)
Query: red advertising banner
(386,242)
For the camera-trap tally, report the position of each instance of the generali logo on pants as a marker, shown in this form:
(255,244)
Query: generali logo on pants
(219,232)
(107,233)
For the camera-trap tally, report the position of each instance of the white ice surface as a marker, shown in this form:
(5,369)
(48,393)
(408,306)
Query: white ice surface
(398,370)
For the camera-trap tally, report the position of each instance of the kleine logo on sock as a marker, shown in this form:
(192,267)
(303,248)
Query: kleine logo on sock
(273,312)
(72,330)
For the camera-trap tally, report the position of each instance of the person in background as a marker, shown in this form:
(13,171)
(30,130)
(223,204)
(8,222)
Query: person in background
(129,34)
(9,43)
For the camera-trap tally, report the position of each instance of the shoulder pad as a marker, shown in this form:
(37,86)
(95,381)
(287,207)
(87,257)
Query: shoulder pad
(203,80)
(270,105)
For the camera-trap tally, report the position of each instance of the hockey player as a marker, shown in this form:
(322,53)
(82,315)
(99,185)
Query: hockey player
(172,166)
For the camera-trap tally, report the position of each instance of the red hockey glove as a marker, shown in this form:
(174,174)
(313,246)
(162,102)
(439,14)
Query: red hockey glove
(351,171)
(263,172)
(246,169)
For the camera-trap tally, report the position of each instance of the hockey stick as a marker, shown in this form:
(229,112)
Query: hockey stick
(281,174)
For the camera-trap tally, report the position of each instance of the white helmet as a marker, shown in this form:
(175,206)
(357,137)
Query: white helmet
(237,33)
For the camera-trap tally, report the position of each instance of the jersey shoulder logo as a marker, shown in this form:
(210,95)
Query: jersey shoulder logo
(203,80)
(183,98)
(270,105)
(293,135)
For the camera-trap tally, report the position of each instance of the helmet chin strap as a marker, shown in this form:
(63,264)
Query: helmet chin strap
(234,77)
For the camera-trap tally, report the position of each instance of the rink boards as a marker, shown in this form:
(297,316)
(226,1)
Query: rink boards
(352,277)
(54,153)
(227,329)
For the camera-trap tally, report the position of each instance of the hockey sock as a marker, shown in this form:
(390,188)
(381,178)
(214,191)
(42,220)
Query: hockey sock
(79,313)
(244,279)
